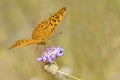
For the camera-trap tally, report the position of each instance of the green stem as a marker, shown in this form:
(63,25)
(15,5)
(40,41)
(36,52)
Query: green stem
(69,75)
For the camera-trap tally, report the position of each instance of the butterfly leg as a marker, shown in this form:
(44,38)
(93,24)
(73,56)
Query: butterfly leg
(36,48)
(44,47)
(51,43)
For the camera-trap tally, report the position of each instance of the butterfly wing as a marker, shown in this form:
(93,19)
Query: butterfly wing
(45,29)
(54,21)
(40,31)
(24,42)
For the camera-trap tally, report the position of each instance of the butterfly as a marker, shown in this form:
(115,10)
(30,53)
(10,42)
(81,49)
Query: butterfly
(42,31)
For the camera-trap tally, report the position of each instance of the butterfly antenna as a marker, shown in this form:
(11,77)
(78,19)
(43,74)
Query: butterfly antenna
(56,35)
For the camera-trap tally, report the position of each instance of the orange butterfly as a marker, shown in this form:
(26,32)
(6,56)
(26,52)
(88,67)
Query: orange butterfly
(43,31)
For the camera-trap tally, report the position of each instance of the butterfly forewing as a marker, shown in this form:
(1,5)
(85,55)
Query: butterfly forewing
(24,42)
(54,21)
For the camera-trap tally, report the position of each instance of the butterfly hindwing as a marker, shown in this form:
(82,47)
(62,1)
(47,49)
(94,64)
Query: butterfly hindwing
(39,31)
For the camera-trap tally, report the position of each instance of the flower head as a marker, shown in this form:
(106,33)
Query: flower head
(51,68)
(50,54)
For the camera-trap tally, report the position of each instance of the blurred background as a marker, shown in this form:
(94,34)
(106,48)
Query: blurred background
(90,38)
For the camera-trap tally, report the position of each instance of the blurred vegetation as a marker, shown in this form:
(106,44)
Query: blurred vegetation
(91,38)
